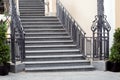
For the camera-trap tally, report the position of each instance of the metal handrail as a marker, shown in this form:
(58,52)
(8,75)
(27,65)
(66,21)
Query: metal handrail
(75,31)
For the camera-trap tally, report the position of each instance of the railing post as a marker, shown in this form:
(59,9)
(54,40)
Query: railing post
(12,41)
(17,35)
(100,30)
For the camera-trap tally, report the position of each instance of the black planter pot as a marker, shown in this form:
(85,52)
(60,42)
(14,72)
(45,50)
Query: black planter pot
(4,69)
(114,67)
(108,66)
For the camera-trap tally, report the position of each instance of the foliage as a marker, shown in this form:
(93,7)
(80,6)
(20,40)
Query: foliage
(115,50)
(4,47)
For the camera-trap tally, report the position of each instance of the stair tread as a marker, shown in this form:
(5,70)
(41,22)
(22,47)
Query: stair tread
(48,41)
(40,22)
(40,16)
(43,29)
(55,56)
(59,67)
(50,37)
(43,25)
(47,33)
(39,19)
(52,46)
(62,61)
(67,50)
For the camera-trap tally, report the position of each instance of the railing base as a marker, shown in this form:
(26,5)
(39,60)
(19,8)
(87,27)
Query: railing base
(99,65)
(18,67)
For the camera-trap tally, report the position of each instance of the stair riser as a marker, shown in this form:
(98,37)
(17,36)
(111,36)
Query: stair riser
(42,20)
(25,28)
(31,9)
(31,6)
(48,48)
(46,39)
(32,12)
(55,43)
(33,3)
(62,70)
(58,64)
(36,17)
(54,59)
(29,0)
(35,31)
(42,35)
(56,23)
(51,53)
(42,14)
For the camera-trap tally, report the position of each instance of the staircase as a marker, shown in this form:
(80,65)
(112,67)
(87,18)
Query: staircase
(48,46)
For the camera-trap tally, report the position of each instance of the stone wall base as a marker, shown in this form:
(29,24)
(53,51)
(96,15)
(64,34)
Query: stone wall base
(15,68)
(99,65)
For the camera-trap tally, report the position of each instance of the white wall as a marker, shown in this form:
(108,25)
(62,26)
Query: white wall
(50,7)
(83,11)
(110,12)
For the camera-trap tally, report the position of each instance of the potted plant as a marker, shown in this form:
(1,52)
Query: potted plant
(114,59)
(1,7)
(4,50)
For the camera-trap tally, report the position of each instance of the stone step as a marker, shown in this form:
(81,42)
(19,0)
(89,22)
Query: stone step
(60,68)
(50,47)
(37,26)
(45,34)
(42,27)
(52,52)
(41,23)
(30,0)
(30,4)
(40,20)
(36,17)
(56,63)
(35,43)
(44,30)
(54,57)
(48,38)
(31,12)
(30,8)
(42,14)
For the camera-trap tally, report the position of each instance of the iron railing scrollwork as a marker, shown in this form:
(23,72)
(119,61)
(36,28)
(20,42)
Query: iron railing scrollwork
(100,30)
(17,35)
(75,31)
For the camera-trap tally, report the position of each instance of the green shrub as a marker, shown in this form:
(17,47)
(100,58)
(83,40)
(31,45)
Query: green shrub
(115,50)
(4,47)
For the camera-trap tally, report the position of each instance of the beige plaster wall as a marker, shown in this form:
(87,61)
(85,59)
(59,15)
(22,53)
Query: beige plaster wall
(117,5)
(50,7)
(83,11)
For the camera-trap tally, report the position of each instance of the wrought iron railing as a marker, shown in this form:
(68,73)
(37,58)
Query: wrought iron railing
(101,29)
(75,31)
(17,35)
(89,46)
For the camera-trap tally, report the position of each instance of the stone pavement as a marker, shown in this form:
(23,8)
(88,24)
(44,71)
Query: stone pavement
(93,75)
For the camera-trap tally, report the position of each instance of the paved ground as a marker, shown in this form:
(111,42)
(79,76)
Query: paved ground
(94,75)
